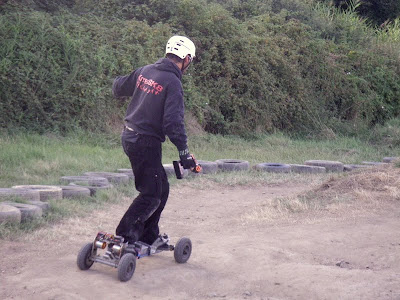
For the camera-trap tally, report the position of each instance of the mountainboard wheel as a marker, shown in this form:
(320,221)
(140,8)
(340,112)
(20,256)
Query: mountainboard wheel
(126,267)
(84,260)
(183,249)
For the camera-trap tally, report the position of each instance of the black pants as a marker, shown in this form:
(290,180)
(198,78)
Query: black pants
(140,222)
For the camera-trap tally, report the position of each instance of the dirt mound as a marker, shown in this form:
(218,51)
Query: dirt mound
(381,182)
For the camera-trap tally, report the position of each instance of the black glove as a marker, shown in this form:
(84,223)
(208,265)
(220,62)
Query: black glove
(187,159)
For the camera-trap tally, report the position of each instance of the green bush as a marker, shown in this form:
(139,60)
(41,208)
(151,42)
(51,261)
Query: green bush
(56,71)
(290,65)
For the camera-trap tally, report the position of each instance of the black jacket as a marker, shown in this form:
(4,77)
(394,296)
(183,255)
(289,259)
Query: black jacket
(157,107)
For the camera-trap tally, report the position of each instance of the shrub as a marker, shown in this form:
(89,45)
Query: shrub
(260,66)
(56,71)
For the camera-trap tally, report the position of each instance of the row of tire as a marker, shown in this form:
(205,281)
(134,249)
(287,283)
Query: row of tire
(309,166)
(36,197)
(24,203)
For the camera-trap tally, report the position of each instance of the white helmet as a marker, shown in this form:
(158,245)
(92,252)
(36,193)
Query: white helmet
(180,46)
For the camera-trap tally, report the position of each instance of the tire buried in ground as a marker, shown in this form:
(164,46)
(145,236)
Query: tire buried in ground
(128,172)
(85,180)
(232,164)
(296,168)
(74,191)
(169,169)
(116,178)
(273,167)
(9,214)
(7,194)
(29,212)
(348,168)
(330,166)
(208,167)
(47,192)
(94,189)
(390,159)
(45,206)
(375,163)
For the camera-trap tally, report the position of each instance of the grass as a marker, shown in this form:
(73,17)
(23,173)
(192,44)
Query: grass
(281,148)
(35,159)
(43,159)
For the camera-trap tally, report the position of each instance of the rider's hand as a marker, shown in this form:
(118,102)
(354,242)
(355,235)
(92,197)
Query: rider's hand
(187,159)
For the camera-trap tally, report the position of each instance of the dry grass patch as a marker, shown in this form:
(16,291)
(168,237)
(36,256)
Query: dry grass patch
(355,193)
(381,183)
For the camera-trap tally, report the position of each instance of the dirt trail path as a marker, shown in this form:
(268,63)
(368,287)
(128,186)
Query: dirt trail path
(232,258)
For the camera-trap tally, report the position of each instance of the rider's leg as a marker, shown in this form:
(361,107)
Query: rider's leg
(145,157)
(151,228)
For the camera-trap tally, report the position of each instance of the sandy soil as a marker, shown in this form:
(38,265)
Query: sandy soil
(336,254)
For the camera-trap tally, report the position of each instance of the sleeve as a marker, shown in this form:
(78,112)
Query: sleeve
(124,86)
(174,110)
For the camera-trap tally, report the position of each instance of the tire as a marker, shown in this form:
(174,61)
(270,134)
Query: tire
(390,159)
(208,167)
(45,206)
(85,180)
(273,167)
(183,250)
(94,189)
(126,267)
(128,172)
(117,178)
(374,163)
(47,192)
(330,166)
(170,171)
(73,191)
(306,169)
(84,260)
(9,214)
(29,212)
(24,194)
(232,164)
(348,168)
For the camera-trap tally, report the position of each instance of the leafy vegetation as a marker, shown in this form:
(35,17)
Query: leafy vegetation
(295,66)
(376,11)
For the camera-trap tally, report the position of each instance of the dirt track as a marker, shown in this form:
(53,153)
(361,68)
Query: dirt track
(332,256)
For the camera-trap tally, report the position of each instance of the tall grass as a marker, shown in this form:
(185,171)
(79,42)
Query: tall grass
(388,38)
(359,30)
(36,159)
(348,24)
(41,159)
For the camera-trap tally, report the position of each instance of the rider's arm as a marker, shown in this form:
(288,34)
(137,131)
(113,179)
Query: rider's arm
(124,86)
(174,126)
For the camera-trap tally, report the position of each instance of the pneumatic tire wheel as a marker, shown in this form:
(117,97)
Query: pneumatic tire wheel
(84,260)
(183,249)
(126,267)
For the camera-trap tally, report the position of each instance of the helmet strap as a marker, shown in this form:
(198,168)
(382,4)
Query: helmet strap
(183,68)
